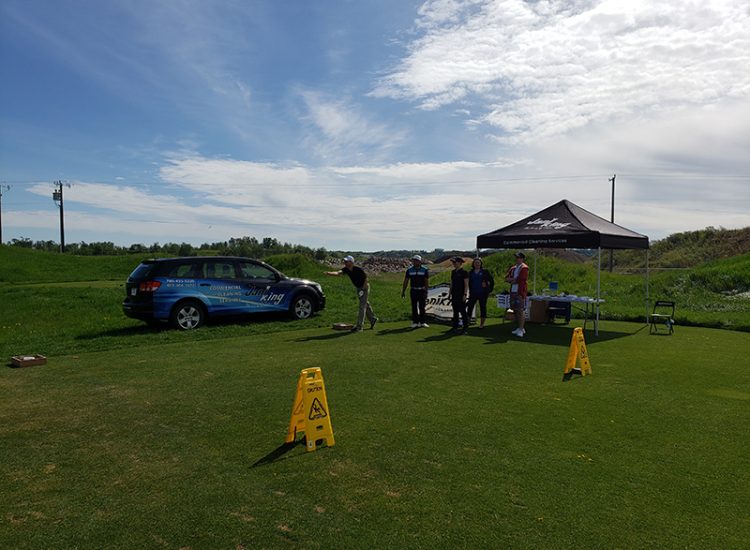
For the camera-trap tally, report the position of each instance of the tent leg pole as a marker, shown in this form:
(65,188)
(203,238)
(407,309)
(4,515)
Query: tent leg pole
(598,288)
(534,272)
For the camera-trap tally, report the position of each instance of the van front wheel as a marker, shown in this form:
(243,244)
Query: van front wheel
(302,307)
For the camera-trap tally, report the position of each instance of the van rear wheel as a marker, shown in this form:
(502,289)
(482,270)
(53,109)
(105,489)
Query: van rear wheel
(188,315)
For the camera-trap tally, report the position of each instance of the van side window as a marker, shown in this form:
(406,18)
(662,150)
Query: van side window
(256,271)
(220,270)
(184,270)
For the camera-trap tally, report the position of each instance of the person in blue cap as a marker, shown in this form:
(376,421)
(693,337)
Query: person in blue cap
(419,277)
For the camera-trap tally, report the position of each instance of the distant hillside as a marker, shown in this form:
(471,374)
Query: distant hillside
(26,265)
(690,249)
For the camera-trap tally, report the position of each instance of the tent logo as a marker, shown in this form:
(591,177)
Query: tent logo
(548,224)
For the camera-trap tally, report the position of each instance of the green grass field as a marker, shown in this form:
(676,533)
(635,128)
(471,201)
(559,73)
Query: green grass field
(440,441)
(132,437)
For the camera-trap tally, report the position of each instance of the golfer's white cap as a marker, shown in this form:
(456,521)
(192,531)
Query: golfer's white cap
(349,259)
(417,257)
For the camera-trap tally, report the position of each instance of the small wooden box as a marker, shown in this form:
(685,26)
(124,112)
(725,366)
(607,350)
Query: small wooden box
(28,360)
(538,312)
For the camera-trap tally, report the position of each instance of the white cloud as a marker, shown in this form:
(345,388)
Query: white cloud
(412,172)
(341,130)
(543,69)
(233,182)
(373,207)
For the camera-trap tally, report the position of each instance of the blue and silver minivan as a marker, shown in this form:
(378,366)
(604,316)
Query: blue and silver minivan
(187,291)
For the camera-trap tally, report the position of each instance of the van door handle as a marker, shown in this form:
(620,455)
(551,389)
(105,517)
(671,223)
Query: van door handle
(205,284)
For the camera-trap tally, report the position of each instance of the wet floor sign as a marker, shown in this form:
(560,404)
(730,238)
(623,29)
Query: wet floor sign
(310,413)
(577,353)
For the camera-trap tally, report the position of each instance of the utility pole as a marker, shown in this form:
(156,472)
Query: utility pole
(6,188)
(612,219)
(57,196)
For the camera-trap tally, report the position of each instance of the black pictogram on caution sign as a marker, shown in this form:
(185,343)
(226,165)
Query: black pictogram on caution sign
(317,410)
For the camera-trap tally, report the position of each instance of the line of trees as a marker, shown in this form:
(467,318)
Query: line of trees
(239,246)
(685,249)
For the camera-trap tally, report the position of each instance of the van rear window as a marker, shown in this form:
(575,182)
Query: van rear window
(141,272)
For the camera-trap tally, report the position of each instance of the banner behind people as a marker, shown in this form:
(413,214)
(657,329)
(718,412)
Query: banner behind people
(439,303)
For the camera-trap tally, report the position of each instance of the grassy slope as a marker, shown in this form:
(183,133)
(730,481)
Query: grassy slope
(690,248)
(69,311)
(23,265)
(441,442)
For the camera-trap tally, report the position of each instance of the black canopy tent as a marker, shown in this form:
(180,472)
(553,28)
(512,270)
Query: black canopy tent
(566,225)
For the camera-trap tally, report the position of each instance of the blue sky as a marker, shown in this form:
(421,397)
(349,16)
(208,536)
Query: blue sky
(366,125)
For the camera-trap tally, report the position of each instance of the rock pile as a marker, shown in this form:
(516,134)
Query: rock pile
(380,264)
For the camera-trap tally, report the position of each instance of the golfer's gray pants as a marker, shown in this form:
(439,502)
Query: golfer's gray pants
(364,306)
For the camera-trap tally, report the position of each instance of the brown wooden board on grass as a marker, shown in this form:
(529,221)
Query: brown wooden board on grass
(28,360)
(538,313)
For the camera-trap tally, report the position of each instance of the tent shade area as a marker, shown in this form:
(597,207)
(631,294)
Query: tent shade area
(567,225)
(563,225)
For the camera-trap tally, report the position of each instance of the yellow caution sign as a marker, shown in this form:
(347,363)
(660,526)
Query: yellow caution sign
(310,410)
(297,421)
(577,353)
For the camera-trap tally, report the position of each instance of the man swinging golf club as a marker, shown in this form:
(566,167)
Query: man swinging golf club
(359,279)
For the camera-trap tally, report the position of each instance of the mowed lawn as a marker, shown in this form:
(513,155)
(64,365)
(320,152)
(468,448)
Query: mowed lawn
(441,442)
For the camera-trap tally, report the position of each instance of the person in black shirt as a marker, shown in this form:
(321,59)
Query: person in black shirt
(419,277)
(459,292)
(360,282)
(481,284)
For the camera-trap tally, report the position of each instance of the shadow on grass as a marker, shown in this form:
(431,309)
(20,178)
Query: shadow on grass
(154,327)
(123,331)
(659,333)
(572,375)
(330,336)
(550,335)
(279,452)
(390,331)
(445,334)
